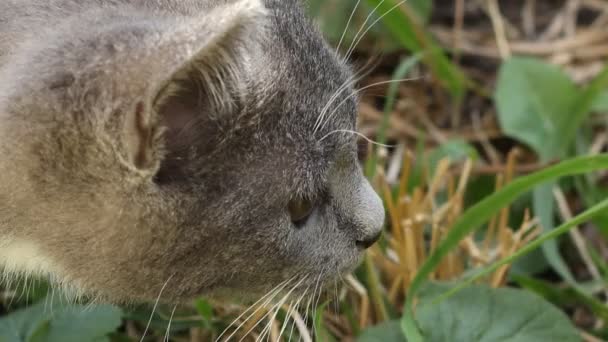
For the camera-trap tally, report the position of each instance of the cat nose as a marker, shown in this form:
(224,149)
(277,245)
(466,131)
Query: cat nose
(368,241)
(371,216)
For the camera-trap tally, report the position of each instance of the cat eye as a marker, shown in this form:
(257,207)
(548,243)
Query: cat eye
(300,210)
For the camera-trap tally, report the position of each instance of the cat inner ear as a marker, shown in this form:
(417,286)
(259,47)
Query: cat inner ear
(194,79)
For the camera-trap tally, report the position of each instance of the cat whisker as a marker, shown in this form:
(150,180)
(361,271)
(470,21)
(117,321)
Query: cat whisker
(314,301)
(302,323)
(278,305)
(358,40)
(358,91)
(369,16)
(160,293)
(258,308)
(355,133)
(273,313)
(295,313)
(352,14)
(259,304)
(366,69)
(349,82)
(168,332)
(292,308)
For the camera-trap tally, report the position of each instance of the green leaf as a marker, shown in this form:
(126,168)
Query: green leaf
(79,324)
(385,332)
(483,314)
(52,321)
(535,101)
(563,297)
(478,214)
(539,105)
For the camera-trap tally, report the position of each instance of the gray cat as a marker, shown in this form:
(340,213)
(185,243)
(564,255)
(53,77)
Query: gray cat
(198,147)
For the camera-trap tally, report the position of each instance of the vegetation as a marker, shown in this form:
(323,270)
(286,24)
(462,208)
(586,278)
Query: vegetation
(490,152)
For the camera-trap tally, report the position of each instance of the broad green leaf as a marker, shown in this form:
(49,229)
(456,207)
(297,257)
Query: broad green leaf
(484,314)
(535,102)
(20,325)
(80,324)
(563,296)
(52,321)
(385,332)
(481,314)
(478,214)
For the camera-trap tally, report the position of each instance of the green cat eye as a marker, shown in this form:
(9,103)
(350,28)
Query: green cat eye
(300,210)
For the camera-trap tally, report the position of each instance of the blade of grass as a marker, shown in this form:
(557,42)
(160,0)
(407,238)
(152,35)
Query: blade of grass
(473,218)
(584,105)
(564,228)
(542,198)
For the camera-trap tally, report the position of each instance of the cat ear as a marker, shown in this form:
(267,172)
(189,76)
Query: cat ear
(191,71)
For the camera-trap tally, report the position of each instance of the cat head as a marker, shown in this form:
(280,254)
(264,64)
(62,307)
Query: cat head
(178,155)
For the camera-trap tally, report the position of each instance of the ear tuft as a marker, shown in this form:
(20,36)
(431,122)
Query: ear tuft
(193,74)
(139,135)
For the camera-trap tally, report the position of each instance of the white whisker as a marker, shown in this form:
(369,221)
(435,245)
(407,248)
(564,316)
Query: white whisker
(358,40)
(315,302)
(272,292)
(369,16)
(154,308)
(281,302)
(168,332)
(358,134)
(295,313)
(292,308)
(351,81)
(358,91)
(348,83)
(352,14)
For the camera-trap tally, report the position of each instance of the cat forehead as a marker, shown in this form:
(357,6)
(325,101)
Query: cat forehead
(306,79)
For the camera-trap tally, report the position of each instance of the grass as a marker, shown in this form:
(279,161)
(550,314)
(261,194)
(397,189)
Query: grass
(474,133)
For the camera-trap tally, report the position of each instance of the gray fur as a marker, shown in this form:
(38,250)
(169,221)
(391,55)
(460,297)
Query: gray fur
(151,142)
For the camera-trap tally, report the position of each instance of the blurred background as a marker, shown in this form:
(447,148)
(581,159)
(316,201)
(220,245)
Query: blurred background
(462,99)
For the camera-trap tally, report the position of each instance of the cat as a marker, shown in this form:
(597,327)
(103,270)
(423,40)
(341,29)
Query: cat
(177,148)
